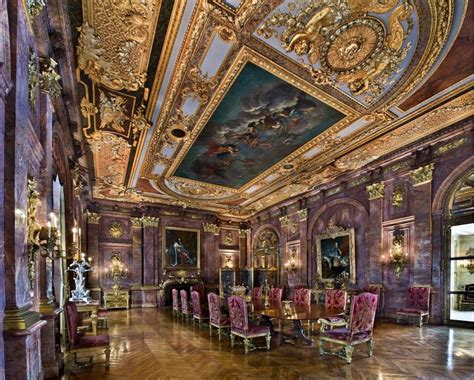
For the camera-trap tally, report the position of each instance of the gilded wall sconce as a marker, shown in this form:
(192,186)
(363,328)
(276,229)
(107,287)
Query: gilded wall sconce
(117,271)
(291,263)
(398,256)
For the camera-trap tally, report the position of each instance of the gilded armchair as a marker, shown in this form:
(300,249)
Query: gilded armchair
(200,312)
(257,292)
(418,304)
(302,296)
(274,295)
(358,330)
(240,326)
(216,318)
(334,299)
(88,345)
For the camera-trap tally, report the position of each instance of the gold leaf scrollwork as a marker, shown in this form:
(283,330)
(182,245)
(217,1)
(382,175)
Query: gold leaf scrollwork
(34,7)
(116,230)
(353,51)
(211,227)
(200,85)
(88,108)
(376,190)
(398,197)
(34,230)
(136,222)
(284,220)
(150,221)
(93,218)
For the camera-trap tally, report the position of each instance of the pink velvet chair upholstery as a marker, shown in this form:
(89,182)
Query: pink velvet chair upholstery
(216,318)
(186,310)
(358,330)
(274,295)
(335,298)
(418,304)
(89,345)
(302,296)
(240,326)
(257,292)
(376,289)
(200,312)
(176,306)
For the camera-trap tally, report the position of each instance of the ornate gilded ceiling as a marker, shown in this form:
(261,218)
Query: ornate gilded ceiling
(232,106)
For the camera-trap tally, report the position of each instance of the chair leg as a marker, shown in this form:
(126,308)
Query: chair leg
(246,345)
(210,330)
(219,332)
(321,347)
(269,339)
(107,357)
(232,340)
(349,350)
(370,346)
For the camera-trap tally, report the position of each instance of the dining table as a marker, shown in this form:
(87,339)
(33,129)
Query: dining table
(287,311)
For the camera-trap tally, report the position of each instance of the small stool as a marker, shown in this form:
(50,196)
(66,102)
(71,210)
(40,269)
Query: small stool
(102,319)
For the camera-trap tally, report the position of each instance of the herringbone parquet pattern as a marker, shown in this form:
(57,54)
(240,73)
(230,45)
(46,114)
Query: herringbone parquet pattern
(148,344)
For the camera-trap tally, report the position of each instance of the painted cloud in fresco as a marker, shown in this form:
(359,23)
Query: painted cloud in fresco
(260,121)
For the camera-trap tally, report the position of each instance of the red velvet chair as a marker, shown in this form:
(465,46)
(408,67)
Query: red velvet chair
(358,330)
(257,292)
(200,312)
(376,289)
(335,299)
(216,318)
(240,326)
(186,310)
(176,306)
(91,345)
(418,304)
(274,295)
(302,296)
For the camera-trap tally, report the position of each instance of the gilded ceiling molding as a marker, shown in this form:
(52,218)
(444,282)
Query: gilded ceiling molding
(133,23)
(200,85)
(446,114)
(355,51)
(150,221)
(92,218)
(376,190)
(422,175)
(136,222)
(199,190)
(49,77)
(211,227)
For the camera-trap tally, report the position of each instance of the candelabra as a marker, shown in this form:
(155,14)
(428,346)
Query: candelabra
(80,268)
(291,263)
(117,271)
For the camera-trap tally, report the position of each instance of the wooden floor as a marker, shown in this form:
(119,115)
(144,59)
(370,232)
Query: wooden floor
(150,344)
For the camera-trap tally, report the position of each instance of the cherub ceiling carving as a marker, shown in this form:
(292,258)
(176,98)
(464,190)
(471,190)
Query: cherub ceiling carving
(188,120)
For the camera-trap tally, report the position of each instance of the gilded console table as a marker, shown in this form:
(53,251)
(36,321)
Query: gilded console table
(116,299)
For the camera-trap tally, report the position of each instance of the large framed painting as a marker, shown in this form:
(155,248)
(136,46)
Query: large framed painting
(181,248)
(335,255)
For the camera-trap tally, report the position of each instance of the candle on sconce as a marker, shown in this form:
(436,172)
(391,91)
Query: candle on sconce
(383,258)
(49,229)
(89,259)
(74,232)
(54,219)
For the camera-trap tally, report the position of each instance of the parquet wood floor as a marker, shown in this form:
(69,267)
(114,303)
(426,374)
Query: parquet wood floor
(149,344)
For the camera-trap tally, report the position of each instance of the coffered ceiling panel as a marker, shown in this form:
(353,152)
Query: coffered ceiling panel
(233,106)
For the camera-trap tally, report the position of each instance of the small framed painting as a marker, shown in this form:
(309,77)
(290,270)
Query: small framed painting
(181,248)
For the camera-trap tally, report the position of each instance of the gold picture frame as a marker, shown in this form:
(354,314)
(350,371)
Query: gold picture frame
(335,255)
(181,248)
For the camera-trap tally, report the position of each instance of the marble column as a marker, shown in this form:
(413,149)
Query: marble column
(150,262)
(421,179)
(376,193)
(93,252)
(303,260)
(437,269)
(5,87)
(136,263)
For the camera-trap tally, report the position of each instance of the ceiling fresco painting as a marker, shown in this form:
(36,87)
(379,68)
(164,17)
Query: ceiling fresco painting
(235,106)
(260,121)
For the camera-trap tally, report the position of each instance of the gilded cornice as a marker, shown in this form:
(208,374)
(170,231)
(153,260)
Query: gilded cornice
(211,227)
(136,222)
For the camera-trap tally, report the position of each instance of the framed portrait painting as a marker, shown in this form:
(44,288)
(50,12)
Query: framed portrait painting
(181,248)
(335,254)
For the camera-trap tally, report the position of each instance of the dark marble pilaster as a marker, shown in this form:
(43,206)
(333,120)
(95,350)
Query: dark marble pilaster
(136,263)
(421,179)
(51,356)
(376,217)
(150,260)
(303,259)
(93,252)
(438,279)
